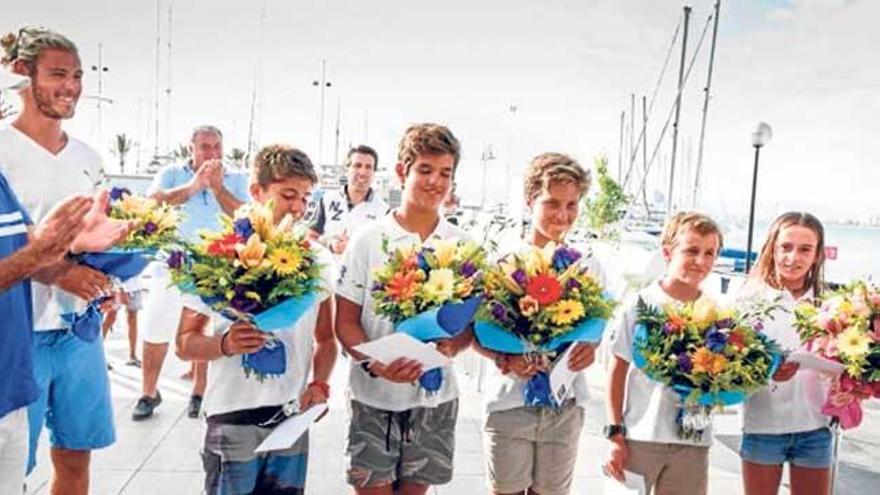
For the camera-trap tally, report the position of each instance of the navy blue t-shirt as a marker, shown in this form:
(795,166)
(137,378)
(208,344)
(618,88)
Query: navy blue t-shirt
(18,387)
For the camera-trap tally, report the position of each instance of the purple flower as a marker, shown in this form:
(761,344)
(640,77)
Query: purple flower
(243,228)
(376,287)
(716,340)
(498,311)
(423,262)
(725,323)
(684,363)
(668,329)
(759,326)
(116,193)
(573,284)
(243,303)
(519,276)
(467,269)
(175,260)
(565,257)
(150,228)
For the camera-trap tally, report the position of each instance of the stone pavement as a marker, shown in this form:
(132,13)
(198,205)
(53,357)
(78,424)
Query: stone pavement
(161,455)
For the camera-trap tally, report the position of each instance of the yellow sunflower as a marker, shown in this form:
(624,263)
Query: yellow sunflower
(566,312)
(285,261)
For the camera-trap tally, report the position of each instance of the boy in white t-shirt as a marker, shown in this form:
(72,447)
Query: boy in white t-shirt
(642,412)
(241,412)
(533,449)
(399,434)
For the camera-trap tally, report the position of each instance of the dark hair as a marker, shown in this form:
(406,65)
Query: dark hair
(277,162)
(765,268)
(364,150)
(427,139)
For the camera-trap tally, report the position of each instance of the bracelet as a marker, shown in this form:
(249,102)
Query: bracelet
(74,257)
(223,346)
(324,386)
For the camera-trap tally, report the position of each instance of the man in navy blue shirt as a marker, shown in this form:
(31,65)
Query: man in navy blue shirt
(75,225)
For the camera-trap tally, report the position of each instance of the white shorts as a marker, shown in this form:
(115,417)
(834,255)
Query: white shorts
(162,306)
(13,450)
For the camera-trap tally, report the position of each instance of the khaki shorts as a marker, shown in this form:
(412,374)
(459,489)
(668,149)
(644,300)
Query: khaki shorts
(533,447)
(669,468)
(414,446)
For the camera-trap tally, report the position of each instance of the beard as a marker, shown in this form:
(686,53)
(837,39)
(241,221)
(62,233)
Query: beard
(43,101)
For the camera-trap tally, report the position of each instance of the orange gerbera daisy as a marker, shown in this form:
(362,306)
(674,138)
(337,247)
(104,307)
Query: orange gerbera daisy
(702,360)
(402,285)
(545,289)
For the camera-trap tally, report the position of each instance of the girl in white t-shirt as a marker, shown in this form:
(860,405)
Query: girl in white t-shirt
(784,422)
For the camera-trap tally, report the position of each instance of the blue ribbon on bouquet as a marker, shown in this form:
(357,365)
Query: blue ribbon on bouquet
(445,322)
(121,264)
(537,391)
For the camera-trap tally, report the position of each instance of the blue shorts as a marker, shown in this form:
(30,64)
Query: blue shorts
(74,397)
(809,449)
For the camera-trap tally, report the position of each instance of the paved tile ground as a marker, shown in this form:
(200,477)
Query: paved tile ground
(161,456)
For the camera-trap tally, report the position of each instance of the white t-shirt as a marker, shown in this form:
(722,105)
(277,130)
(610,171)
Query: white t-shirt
(650,408)
(229,390)
(336,214)
(505,392)
(795,405)
(41,180)
(363,256)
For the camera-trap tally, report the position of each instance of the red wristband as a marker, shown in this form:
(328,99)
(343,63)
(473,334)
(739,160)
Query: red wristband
(324,386)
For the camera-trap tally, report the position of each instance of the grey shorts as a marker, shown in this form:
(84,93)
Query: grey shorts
(533,448)
(232,467)
(414,446)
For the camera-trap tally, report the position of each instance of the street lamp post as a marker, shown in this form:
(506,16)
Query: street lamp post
(323,83)
(762,135)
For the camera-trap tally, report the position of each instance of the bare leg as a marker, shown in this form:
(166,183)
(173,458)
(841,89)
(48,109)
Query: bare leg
(374,490)
(132,334)
(413,489)
(200,372)
(759,479)
(810,481)
(71,471)
(154,355)
(109,320)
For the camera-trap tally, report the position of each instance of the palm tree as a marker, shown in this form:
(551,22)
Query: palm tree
(237,156)
(121,147)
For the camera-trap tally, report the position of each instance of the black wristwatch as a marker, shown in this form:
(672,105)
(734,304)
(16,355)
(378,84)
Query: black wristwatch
(612,430)
(365,365)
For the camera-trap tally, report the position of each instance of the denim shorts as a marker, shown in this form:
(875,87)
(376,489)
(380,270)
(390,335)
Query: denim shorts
(809,449)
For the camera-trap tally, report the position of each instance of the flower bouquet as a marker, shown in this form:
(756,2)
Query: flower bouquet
(430,291)
(537,303)
(256,271)
(156,229)
(710,358)
(845,327)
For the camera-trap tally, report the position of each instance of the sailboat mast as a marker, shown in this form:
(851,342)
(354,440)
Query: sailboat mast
(670,208)
(706,97)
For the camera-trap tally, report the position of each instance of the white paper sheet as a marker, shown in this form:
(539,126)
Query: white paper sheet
(288,432)
(816,363)
(562,377)
(401,345)
(633,484)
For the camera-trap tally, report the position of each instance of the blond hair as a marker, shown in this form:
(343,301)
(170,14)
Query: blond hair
(29,44)
(277,162)
(690,220)
(765,267)
(427,139)
(553,168)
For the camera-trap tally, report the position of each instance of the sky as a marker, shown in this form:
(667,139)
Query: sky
(519,77)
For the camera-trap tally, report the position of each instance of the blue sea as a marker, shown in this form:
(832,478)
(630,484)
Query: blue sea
(857,249)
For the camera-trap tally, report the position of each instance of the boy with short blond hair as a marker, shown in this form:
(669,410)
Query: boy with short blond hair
(643,413)
(399,434)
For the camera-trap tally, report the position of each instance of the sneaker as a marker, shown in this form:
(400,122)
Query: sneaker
(195,406)
(145,406)
(134,362)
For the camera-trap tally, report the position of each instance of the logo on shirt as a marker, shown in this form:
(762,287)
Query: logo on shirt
(335,210)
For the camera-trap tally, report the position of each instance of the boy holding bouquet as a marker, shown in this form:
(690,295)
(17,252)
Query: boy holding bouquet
(642,412)
(399,434)
(533,448)
(243,410)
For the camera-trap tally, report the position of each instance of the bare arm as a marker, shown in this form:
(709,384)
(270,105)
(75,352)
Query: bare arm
(18,266)
(193,343)
(348,327)
(616,390)
(326,350)
(177,195)
(228,202)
